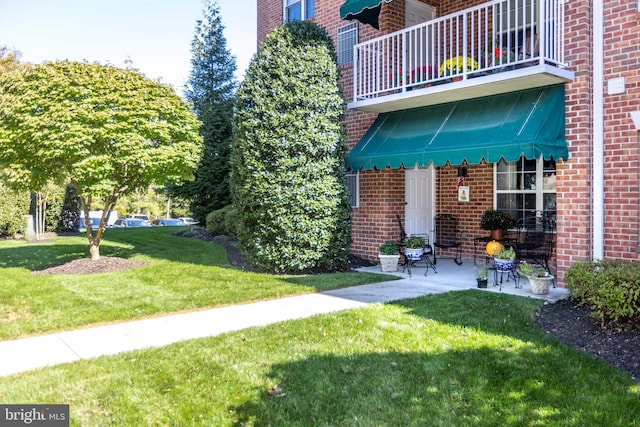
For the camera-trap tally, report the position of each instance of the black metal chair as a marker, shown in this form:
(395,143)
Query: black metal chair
(447,237)
(427,251)
(535,240)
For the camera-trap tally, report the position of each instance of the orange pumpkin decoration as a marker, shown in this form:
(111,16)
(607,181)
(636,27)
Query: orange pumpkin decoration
(493,248)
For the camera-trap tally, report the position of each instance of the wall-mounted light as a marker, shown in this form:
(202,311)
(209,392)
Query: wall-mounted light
(462,171)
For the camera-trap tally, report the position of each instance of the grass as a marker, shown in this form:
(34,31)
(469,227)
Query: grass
(181,274)
(458,359)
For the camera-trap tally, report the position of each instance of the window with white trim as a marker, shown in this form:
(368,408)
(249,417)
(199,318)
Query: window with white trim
(353,188)
(298,10)
(347,39)
(525,187)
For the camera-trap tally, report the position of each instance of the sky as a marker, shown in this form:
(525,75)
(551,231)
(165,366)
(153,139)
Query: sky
(155,35)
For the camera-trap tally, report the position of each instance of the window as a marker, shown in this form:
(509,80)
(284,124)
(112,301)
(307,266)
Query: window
(353,188)
(525,187)
(347,39)
(298,10)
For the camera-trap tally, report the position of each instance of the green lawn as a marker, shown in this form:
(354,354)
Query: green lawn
(459,359)
(181,274)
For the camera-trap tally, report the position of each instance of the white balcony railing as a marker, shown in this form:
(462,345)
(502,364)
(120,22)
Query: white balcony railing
(496,36)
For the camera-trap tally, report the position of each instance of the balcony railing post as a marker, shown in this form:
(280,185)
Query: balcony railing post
(465,44)
(404,65)
(542,24)
(356,72)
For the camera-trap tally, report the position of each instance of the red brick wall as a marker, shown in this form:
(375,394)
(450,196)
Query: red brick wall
(573,178)
(621,179)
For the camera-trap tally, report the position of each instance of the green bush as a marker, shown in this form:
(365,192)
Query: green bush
(14,205)
(222,221)
(288,182)
(610,288)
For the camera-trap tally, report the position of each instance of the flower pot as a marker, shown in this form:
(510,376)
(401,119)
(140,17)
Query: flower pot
(389,263)
(503,264)
(482,283)
(497,234)
(414,253)
(540,285)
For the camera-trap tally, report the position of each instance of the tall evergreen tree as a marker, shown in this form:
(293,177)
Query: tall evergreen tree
(210,89)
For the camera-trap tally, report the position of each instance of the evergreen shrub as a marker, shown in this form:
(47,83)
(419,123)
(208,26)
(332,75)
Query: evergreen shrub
(288,182)
(14,205)
(222,222)
(610,288)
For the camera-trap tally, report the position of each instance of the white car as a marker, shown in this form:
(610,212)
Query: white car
(188,221)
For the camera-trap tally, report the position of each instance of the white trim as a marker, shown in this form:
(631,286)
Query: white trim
(598,131)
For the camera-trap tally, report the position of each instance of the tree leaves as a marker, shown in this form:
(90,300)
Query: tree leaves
(106,130)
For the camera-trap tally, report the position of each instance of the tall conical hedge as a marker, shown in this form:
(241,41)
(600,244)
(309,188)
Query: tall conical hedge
(288,182)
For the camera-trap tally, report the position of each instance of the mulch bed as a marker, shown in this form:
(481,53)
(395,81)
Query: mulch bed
(616,344)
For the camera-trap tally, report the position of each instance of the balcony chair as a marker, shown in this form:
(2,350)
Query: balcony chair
(411,262)
(447,236)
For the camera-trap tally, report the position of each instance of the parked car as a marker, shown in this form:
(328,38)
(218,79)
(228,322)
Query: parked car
(95,223)
(130,222)
(188,221)
(144,218)
(170,222)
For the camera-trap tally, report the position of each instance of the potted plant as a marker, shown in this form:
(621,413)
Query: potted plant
(389,256)
(482,273)
(539,278)
(458,65)
(496,221)
(414,246)
(505,259)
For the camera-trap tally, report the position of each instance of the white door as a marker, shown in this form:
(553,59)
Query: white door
(419,52)
(419,201)
(416,12)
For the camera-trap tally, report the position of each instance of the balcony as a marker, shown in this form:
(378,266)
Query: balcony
(497,47)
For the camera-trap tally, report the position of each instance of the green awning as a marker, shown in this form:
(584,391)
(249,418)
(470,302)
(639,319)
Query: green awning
(365,11)
(526,123)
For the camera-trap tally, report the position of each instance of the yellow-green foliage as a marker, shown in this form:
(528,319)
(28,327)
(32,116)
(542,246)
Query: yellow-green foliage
(611,288)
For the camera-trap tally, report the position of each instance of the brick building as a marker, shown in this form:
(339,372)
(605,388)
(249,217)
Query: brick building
(527,106)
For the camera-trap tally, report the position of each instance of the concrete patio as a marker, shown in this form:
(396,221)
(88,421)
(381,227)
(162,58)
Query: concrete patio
(453,277)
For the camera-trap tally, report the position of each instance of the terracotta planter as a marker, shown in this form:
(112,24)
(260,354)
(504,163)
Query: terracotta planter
(389,263)
(497,234)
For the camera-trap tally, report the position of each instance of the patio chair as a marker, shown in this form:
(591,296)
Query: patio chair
(535,239)
(447,237)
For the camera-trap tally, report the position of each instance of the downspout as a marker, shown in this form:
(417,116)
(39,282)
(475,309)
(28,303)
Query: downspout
(598,130)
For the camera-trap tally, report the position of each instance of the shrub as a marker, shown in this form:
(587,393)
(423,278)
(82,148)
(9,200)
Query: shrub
(288,182)
(14,205)
(222,221)
(610,288)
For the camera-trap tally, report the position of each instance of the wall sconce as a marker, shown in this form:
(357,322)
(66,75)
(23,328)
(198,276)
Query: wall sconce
(462,172)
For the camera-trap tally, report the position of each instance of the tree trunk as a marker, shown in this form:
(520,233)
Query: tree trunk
(94,250)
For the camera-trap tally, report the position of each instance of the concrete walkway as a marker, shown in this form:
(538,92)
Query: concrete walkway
(51,349)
